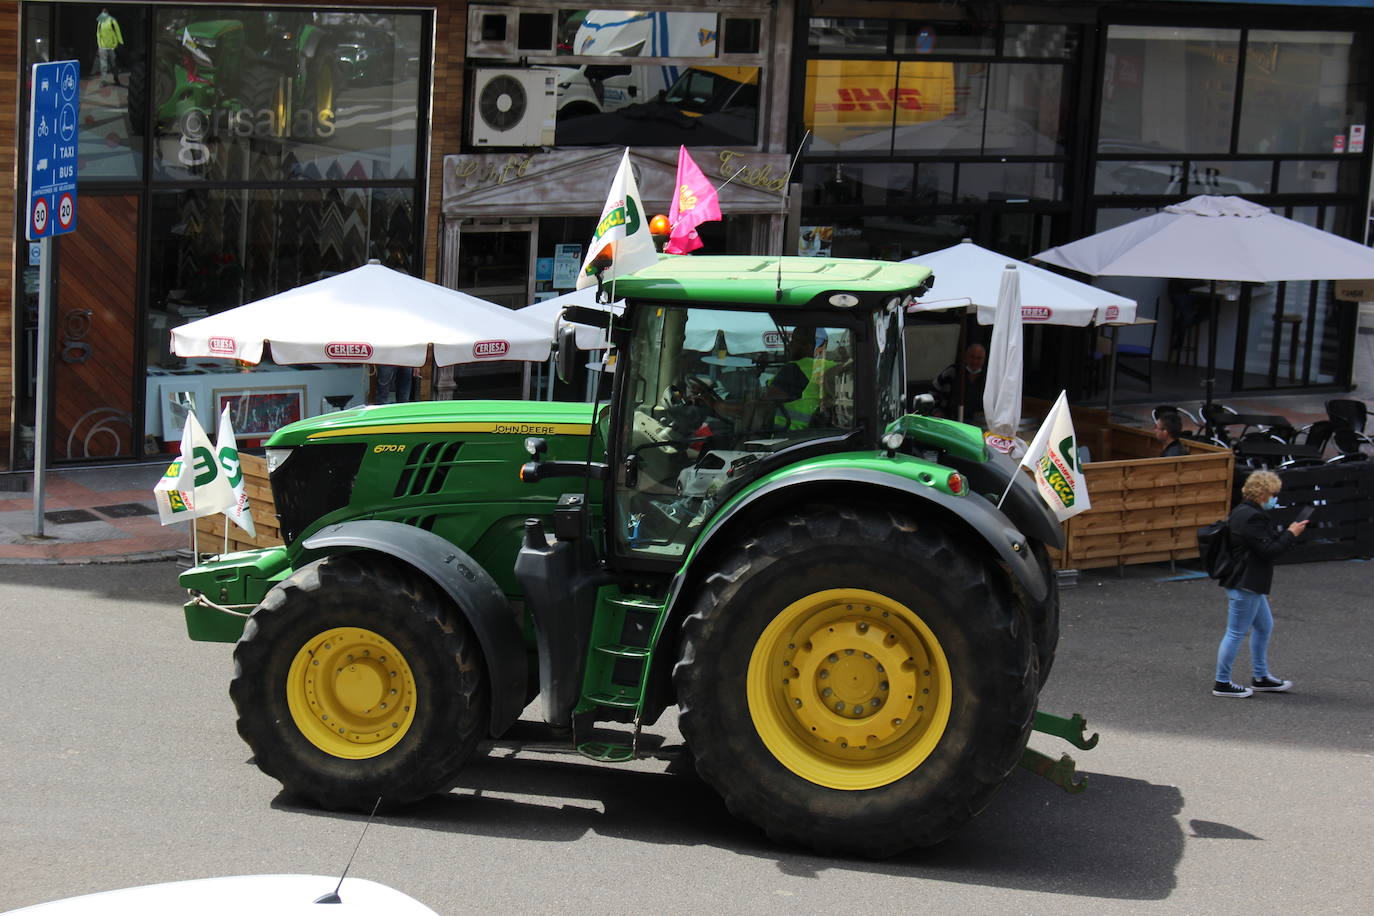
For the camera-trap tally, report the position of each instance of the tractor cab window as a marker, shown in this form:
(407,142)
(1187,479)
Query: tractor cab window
(710,393)
(888,330)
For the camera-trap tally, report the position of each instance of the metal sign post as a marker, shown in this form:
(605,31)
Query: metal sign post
(53,107)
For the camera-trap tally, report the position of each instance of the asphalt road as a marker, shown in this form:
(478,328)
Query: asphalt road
(121,767)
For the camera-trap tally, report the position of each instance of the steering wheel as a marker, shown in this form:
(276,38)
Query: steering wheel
(694,390)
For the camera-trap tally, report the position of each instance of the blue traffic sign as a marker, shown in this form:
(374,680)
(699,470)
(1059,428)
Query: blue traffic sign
(53,109)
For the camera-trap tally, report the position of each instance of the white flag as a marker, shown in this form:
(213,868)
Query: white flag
(1053,461)
(175,492)
(194,485)
(227,450)
(622,231)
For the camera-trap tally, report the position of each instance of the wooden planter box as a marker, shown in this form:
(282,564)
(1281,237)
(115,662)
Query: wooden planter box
(1145,509)
(210,529)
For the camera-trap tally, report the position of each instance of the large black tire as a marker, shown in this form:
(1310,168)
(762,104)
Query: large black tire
(875,596)
(356,679)
(1044,614)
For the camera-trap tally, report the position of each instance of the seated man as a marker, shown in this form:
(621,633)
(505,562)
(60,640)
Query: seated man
(945,388)
(1168,428)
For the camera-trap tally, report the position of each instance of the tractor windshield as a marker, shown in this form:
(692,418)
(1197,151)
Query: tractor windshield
(710,392)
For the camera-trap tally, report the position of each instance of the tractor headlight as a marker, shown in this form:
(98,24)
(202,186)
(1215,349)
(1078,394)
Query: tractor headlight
(894,441)
(276,457)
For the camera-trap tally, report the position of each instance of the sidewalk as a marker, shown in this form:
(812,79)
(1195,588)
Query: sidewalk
(90,515)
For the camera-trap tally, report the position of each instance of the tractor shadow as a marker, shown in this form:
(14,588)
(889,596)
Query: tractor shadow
(1119,840)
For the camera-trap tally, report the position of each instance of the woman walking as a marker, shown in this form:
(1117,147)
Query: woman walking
(1256,542)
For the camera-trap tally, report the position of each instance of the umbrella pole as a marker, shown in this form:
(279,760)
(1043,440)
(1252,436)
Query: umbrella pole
(525,381)
(1111,373)
(1212,343)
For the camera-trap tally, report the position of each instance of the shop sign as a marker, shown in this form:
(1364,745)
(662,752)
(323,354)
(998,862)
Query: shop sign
(350,351)
(755,176)
(476,172)
(1355,290)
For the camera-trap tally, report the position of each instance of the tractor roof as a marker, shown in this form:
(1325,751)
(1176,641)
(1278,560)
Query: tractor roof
(755,280)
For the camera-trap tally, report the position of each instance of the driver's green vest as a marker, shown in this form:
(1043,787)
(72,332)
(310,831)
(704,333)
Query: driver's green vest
(800,412)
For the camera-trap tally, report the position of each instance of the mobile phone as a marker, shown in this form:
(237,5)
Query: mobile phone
(1305,513)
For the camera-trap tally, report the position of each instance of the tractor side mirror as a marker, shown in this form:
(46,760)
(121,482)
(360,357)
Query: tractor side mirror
(922,403)
(566,360)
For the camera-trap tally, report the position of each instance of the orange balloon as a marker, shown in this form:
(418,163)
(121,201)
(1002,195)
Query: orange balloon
(659,225)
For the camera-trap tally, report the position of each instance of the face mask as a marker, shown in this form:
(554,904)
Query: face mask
(1271,503)
(978,371)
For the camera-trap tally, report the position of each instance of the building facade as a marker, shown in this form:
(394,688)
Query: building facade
(228,152)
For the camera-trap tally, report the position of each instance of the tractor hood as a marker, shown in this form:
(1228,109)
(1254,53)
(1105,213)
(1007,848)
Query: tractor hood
(518,418)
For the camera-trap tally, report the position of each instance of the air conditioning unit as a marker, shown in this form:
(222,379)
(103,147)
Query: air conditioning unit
(513,107)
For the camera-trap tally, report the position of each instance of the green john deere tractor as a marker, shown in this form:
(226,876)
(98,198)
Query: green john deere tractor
(753,530)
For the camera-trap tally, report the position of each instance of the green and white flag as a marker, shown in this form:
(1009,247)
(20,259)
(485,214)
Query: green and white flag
(194,485)
(227,449)
(1052,458)
(622,232)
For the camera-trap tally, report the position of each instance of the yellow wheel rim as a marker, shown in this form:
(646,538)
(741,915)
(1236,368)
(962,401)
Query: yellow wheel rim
(849,689)
(351,693)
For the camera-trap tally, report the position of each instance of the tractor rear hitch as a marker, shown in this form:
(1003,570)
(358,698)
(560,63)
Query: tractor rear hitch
(1060,772)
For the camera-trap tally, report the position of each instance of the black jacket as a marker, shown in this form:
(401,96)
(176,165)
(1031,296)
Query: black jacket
(1257,541)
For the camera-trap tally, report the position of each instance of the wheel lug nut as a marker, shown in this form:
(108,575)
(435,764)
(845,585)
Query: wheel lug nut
(839,707)
(825,673)
(880,669)
(833,658)
(875,702)
(826,692)
(863,627)
(896,723)
(883,685)
(858,710)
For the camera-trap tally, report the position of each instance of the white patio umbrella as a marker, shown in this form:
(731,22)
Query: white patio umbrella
(969,271)
(546,313)
(1216,238)
(1002,391)
(370,314)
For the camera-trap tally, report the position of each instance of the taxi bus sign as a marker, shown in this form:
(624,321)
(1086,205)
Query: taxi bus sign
(53,109)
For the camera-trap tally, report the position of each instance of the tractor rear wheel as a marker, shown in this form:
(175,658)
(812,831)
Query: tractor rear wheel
(852,680)
(356,680)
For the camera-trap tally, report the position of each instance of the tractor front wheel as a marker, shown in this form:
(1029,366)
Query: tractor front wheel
(355,679)
(853,680)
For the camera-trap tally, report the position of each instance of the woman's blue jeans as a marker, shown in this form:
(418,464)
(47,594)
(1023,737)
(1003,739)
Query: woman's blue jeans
(1248,612)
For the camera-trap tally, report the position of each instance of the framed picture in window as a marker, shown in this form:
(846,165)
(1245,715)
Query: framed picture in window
(256,413)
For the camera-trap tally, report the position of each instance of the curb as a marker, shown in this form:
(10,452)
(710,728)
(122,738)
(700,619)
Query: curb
(150,556)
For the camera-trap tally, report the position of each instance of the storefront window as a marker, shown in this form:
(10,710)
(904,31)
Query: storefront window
(870,184)
(109,46)
(1169,89)
(894,237)
(637,33)
(1024,39)
(1011,182)
(1317,176)
(700,105)
(1317,81)
(962,38)
(848,36)
(280,95)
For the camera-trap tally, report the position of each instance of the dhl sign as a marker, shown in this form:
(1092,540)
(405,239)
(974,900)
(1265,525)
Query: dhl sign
(849,97)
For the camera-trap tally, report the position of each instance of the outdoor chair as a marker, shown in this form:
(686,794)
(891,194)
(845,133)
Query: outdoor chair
(1137,360)
(1348,412)
(1350,444)
(1216,419)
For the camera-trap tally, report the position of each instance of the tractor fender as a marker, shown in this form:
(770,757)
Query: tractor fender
(977,515)
(474,592)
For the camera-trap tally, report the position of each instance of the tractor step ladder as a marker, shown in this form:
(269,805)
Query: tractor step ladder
(617,673)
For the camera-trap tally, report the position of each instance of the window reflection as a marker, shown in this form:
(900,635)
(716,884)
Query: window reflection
(1314,78)
(1169,86)
(632,33)
(657,106)
(268,95)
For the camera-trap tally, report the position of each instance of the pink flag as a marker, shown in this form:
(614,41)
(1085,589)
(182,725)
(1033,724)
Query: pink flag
(694,203)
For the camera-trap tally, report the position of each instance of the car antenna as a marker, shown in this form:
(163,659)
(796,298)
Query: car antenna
(333,896)
(786,195)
